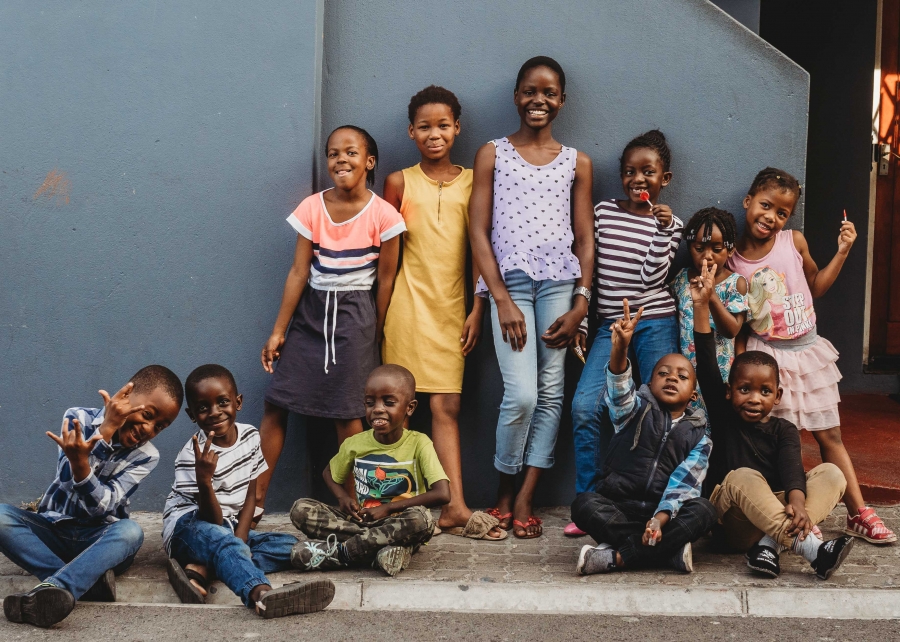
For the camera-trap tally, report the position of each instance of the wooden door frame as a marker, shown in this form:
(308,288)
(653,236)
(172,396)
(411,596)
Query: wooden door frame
(885,129)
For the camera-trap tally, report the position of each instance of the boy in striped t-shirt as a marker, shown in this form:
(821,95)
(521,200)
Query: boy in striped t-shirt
(635,243)
(206,522)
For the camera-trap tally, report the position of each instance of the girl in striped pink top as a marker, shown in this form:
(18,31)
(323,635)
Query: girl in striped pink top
(326,336)
(635,242)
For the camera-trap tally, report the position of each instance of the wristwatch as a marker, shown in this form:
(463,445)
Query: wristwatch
(583,291)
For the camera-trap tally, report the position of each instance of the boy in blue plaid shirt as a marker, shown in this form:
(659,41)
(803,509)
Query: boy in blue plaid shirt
(647,508)
(80,536)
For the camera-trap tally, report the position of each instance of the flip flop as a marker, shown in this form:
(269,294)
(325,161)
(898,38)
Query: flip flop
(197,577)
(478,527)
(532,521)
(187,592)
(258,513)
(495,513)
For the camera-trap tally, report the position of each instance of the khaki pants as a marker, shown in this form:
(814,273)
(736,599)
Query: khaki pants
(748,508)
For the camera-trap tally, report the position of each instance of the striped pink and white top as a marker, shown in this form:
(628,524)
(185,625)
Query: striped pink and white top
(631,261)
(345,255)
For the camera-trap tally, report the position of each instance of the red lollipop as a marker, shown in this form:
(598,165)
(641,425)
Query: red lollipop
(645,196)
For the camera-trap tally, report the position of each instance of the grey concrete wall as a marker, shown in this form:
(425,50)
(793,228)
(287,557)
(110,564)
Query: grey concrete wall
(835,43)
(183,135)
(729,103)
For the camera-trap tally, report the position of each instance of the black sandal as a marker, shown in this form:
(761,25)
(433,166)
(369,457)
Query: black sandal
(181,582)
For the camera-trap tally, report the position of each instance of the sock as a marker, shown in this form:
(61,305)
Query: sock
(808,548)
(771,543)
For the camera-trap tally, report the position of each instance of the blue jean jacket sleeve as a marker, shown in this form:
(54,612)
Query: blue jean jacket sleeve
(686,481)
(621,397)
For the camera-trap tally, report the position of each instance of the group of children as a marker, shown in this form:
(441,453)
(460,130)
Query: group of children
(727,353)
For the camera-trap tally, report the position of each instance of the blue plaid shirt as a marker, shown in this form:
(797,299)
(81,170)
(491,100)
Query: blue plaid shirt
(103,495)
(686,481)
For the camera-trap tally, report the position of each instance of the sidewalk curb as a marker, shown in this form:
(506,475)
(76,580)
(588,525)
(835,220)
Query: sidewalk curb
(608,599)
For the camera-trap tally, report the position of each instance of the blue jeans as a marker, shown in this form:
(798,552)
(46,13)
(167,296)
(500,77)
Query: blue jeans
(592,430)
(532,379)
(66,553)
(240,566)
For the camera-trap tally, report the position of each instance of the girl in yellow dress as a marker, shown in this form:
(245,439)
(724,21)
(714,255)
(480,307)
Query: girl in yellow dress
(427,330)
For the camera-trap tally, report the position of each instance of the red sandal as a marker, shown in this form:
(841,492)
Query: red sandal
(495,512)
(532,521)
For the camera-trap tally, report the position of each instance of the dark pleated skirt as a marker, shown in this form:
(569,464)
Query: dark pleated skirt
(300,383)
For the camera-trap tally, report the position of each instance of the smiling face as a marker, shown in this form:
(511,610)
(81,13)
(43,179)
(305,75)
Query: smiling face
(768,211)
(213,404)
(643,169)
(753,391)
(348,158)
(673,383)
(770,282)
(434,130)
(713,250)
(159,411)
(539,97)
(389,401)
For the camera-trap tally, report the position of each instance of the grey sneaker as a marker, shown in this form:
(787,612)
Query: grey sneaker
(393,559)
(596,559)
(44,605)
(683,559)
(313,555)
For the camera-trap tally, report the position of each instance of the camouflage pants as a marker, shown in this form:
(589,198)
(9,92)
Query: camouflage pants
(363,540)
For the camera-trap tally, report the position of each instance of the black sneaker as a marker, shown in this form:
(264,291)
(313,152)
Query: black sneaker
(764,559)
(316,555)
(831,556)
(43,606)
(103,590)
(298,597)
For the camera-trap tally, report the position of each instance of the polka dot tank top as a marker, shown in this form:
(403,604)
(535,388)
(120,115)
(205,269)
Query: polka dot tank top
(531,227)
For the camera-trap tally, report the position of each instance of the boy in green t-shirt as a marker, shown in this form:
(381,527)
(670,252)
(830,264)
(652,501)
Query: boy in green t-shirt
(397,476)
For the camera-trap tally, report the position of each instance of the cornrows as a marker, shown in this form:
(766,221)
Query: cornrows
(705,219)
(653,139)
(774,177)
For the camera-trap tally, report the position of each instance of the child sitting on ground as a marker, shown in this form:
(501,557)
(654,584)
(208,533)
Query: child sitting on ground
(392,467)
(80,538)
(647,509)
(762,490)
(207,516)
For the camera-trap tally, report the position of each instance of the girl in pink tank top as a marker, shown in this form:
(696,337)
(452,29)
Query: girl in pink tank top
(783,280)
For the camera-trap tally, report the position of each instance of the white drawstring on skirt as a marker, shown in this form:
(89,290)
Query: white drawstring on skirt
(333,328)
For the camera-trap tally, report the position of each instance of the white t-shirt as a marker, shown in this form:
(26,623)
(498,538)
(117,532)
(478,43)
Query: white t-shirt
(238,466)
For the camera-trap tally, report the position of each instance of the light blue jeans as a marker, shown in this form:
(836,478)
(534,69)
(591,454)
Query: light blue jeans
(240,566)
(592,430)
(533,379)
(66,553)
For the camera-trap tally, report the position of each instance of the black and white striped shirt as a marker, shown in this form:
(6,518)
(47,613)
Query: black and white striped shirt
(631,260)
(237,467)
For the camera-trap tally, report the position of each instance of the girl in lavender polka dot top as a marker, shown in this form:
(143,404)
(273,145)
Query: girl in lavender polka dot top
(535,261)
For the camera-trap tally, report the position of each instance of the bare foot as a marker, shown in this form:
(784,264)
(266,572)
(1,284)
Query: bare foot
(523,513)
(455,516)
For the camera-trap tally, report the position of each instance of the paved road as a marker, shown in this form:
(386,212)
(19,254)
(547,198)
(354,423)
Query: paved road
(164,624)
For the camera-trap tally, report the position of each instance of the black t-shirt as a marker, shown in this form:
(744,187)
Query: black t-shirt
(771,447)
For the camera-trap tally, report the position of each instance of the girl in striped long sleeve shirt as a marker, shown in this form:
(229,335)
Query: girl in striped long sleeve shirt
(635,242)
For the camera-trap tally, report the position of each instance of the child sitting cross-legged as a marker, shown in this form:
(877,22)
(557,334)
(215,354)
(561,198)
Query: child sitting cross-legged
(206,521)
(765,501)
(397,476)
(81,537)
(647,508)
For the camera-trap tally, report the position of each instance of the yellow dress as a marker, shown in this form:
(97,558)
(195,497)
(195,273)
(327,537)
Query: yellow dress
(428,308)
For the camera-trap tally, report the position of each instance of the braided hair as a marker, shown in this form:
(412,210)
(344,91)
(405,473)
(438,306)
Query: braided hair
(705,219)
(653,139)
(778,178)
(434,95)
(371,148)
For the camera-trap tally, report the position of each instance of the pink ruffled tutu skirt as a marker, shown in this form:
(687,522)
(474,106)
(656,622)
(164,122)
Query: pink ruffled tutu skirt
(809,378)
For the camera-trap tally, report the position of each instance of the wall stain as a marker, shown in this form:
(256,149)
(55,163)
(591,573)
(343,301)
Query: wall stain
(55,185)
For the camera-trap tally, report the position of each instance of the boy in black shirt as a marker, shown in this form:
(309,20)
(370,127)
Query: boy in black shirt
(760,488)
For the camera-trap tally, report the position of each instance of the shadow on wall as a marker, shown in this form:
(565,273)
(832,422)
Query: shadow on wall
(728,102)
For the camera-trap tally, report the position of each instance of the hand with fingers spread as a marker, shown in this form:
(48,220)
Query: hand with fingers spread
(205,462)
(272,351)
(118,410)
(76,448)
(512,324)
(622,331)
(703,286)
